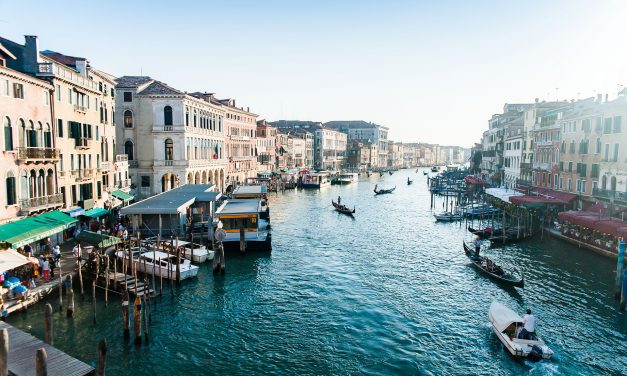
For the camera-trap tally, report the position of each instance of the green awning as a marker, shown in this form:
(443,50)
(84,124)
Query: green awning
(264,173)
(96,212)
(97,240)
(122,195)
(29,230)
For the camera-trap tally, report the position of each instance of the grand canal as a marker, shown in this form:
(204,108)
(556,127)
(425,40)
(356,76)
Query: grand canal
(384,293)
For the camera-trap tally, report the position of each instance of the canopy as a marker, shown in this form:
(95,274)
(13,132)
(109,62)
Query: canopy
(97,240)
(96,212)
(75,211)
(10,259)
(549,193)
(264,173)
(122,195)
(532,201)
(31,229)
(502,317)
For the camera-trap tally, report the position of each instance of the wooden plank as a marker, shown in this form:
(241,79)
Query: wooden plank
(21,357)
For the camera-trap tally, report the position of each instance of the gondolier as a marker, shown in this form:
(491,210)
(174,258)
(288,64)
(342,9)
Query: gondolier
(477,246)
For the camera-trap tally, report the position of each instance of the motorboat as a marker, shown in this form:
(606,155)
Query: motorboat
(478,210)
(245,217)
(158,263)
(343,179)
(196,253)
(448,216)
(507,324)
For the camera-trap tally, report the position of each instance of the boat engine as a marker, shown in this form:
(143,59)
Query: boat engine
(535,354)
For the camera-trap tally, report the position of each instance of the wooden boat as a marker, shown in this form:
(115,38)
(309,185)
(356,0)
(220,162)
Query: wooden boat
(383,191)
(390,172)
(342,208)
(486,233)
(425,172)
(344,179)
(146,261)
(500,275)
(447,217)
(409,181)
(506,324)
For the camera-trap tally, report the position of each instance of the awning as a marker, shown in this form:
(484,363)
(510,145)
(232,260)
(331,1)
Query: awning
(264,173)
(75,211)
(122,195)
(284,149)
(549,193)
(535,201)
(10,259)
(28,230)
(97,240)
(96,212)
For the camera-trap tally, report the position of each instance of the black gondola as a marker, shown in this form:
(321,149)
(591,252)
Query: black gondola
(342,208)
(499,276)
(383,191)
(409,181)
(390,172)
(486,233)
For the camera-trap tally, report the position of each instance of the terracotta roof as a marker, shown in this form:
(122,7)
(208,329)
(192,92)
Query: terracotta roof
(66,60)
(159,88)
(132,81)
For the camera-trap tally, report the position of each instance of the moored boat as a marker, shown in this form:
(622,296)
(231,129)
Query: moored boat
(343,179)
(247,215)
(447,217)
(494,272)
(159,263)
(409,181)
(506,324)
(486,233)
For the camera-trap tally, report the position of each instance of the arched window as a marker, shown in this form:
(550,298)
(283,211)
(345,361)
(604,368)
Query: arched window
(47,136)
(31,140)
(187,116)
(167,115)
(8,134)
(128,119)
(169,150)
(128,149)
(613,184)
(10,186)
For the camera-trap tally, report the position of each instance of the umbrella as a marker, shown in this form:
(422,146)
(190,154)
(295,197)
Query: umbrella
(13,280)
(19,289)
(6,283)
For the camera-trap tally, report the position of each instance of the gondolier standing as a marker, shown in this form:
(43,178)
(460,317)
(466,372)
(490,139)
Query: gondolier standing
(477,246)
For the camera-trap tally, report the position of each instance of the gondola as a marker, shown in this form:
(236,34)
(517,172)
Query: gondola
(409,181)
(342,208)
(486,233)
(383,191)
(390,172)
(503,277)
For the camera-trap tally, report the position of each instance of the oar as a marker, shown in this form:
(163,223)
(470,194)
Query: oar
(455,257)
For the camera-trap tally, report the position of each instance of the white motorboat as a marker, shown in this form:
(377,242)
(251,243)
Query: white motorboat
(447,216)
(159,263)
(196,253)
(507,324)
(343,179)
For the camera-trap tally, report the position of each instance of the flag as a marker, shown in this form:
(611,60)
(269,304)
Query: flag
(215,154)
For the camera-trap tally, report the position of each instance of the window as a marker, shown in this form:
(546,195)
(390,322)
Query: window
(128,96)
(615,159)
(570,184)
(598,148)
(59,128)
(561,183)
(46,98)
(8,134)
(128,149)
(606,157)
(10,186)
(607,125)
(57,90)
(128,119)
(18,90)
(570,166)
(617,124)
(594,171)
(167,116)
(69,96)
(4,87)
(169,150)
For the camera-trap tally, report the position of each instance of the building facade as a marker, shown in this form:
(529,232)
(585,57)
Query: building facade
(330,149)
(170,137)
(241,127)
(366,132)
(266,146)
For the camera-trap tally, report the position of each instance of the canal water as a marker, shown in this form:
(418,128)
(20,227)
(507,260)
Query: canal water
(388,292)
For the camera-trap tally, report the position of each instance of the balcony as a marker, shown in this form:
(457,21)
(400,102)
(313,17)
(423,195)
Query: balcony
(244,158)
(605,193)
(121,158)
(122,184)
(81,109)
(542,166)
(526,166)
(39,203)
(239,138)
(105,166)
(523,183)
(85,173)
(37,154)
(82,143)
(168,128)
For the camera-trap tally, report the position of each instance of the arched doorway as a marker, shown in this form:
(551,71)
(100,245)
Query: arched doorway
(604,182)
(204,177)
(613,184)
(197,178)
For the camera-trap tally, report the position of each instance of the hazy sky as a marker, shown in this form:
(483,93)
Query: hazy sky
(433,71)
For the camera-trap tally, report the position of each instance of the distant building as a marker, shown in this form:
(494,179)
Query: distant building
(330,149)
(363,131)
(266,146)
(240,126)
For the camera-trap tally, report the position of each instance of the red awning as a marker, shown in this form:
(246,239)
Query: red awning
(567,216)
(549,193)
(610,226)
(588,221)
(474,180)
(522,200)
(592,221)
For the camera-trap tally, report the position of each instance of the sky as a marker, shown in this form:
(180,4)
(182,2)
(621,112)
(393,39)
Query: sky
(431,71)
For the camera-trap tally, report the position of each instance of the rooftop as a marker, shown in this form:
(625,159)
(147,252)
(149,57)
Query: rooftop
(250,190)
(132,81)
(159,88)
(174,201)
(237,206)
(69,61)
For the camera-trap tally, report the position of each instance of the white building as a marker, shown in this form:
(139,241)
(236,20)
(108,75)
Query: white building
(330,149)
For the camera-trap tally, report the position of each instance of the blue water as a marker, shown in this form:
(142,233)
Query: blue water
(384,293)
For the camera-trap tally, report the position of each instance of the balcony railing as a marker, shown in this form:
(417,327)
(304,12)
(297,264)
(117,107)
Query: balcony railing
(526,166)
(124,183)
(25,153)
(41,202)
(168,128)
(121,158)
(606,193)
(79,108)
(82,143)
(168,163)
(86,173)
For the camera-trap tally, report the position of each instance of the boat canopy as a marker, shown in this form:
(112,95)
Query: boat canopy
(502,316)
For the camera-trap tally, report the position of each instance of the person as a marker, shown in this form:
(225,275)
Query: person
(28,250)
(339,200)
(125,234)
(76,251)
(41,265)
(45,266)
(484,263)
(477,246)
(56,252)
(3,313)
(529,326)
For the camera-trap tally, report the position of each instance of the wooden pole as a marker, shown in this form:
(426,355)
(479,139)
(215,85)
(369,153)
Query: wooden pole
(93,296)
(125,313)
(146,286)
(70,296)
(620,261)
(154,262)
(102,356)
(242,240)
(107,281)
(160,279)
(178,266)
(41,363)
(137,322)
(115,274)
(170,276)
(80,274)
(60,287)
(48,337)
(4,352)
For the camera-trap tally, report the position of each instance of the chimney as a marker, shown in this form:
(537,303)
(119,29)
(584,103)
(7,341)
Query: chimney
(247,109)
(606,95)
(30,54)
(599,98)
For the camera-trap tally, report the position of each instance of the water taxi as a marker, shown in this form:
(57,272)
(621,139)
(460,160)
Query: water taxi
(343,179)
(506,324)
(251,216)
(314,179)
(162,263)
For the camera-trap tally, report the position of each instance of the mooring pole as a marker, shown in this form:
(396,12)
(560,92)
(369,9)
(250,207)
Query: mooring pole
(619,268)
